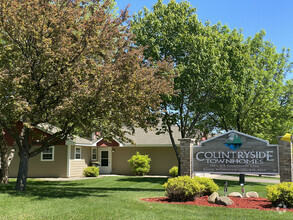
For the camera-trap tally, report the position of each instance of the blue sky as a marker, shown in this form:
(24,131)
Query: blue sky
(274,16)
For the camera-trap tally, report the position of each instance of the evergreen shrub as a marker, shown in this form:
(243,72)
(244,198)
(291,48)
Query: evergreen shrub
(173,171)
(210,185)
(140,164)
(183,188)
(91,171)
(281,194)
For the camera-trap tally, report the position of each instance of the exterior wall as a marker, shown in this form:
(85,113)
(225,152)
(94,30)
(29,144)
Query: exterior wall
(38,168)
(163,158)
(77,166)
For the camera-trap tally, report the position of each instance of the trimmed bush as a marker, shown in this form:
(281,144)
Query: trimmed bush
(140,164)
(183,188)
(281,193)
(210,185)
(173,171)
(91,171)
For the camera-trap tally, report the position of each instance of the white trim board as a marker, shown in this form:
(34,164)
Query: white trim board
(68,160)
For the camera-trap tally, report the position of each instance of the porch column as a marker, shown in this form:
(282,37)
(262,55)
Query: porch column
(186,154)
(285,161)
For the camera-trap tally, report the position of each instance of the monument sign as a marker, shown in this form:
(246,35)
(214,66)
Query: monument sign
(237,153)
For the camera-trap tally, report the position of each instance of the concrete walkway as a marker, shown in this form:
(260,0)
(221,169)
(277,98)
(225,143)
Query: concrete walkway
(88,178)
(255,179)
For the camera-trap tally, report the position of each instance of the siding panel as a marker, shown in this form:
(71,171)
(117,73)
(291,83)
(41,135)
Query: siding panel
(163,158)
(38,168)
(77,166)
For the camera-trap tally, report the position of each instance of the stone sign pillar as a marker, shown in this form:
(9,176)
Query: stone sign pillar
(186,154)
(285,161)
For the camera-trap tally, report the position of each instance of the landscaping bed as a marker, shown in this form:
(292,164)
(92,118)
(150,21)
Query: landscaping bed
(242,203)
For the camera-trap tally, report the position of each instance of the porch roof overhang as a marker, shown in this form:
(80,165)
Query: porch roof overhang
(96,142)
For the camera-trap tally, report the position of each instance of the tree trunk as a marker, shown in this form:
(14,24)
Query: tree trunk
(5,163)
(4,172)
(175,148)
(5,159)
(22,170)
(2,152)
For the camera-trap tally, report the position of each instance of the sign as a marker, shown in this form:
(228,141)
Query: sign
(237,153)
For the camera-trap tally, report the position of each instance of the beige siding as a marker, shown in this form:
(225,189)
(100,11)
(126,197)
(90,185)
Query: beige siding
(77,166)
(38,168)
(163,158)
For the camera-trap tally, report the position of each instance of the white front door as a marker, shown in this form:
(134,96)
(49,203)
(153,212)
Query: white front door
(105,156)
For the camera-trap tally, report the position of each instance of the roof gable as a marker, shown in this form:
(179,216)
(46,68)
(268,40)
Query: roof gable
(104,143)
(39,133)
(229,136)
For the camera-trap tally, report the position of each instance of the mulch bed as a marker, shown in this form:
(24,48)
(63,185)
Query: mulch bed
(241,203)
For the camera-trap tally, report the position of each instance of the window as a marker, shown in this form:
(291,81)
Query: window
(77,153)
(94,153)
(48,154)
(104,158)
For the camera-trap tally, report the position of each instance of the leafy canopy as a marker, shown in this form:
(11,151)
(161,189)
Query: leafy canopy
(224,80)
(73,64)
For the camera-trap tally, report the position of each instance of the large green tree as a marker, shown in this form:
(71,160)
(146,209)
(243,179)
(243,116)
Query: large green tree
(173,31)
(251,95)
(224,80)
(71,64)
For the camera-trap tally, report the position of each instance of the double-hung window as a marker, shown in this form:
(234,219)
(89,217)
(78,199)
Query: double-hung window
(48,154)
(94,154)
(77,153)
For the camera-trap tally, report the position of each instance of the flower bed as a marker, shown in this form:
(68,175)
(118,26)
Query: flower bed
(242,203)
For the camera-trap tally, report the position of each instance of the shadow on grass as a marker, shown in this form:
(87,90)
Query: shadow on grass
(38,190)
(157,180)
(53,183)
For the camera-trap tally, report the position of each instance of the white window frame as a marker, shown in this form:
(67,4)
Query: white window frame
(75,153)
(53,152)
(94,148)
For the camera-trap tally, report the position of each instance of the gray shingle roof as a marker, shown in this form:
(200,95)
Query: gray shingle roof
(53,129)
(141,137)
(80,140)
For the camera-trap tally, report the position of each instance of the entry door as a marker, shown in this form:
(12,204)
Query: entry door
(105,160)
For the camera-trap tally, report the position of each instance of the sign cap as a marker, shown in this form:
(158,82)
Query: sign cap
(286,137)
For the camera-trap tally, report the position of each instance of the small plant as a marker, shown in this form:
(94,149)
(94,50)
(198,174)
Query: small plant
(140,164)
(281,193)
(173,171)
(91,171)
(183,188)
(210,185)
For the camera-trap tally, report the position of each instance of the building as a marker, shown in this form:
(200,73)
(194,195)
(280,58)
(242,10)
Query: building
(72,156)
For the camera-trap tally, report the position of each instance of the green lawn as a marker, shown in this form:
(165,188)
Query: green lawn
(115,198)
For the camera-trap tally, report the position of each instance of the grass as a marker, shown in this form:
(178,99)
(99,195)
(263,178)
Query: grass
(115,198)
